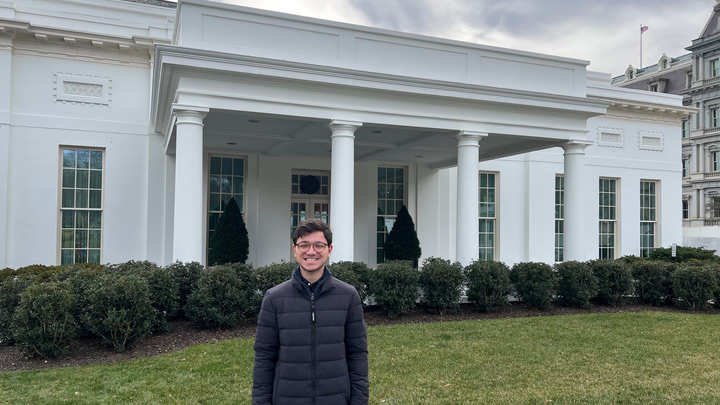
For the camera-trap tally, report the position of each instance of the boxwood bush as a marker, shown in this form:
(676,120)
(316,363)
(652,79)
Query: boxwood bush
(10,290)
(577,284)
(395,287)
(488,284)
(653,283)
(534,283)
(694,284)
(164,290)
(224,295)
(120,311)
(82,281)
(186,276)
(356,274)
(273,274)
(43,324)
(441,282)
(614,280)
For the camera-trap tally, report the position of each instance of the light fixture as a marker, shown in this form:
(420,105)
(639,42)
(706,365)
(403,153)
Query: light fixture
(254,121)
(376,131)
(232,143)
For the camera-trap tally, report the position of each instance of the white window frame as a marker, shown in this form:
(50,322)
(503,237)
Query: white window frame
(385,221)
(715,117)
(559,218)
(649,226)
(488,216)
(608,218)
(715,160)
(714,68)
(70,216)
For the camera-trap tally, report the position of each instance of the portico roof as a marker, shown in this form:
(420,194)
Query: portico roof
(266,96)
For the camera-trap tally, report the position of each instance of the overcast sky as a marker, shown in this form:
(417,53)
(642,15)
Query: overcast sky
(605,32)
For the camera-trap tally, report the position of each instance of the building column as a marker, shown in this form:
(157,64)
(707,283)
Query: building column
(188,214)
(575,234)
(467,232)
(342,189)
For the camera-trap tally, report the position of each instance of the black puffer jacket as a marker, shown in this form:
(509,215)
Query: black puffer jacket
(311,348)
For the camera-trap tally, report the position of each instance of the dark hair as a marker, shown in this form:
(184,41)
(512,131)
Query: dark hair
(312,225)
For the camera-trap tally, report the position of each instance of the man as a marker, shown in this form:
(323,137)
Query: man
(311,342)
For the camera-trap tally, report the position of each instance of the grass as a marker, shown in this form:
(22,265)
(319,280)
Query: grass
(625,358)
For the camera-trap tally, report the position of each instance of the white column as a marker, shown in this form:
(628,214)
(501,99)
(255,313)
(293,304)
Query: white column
(342,187)
(188,216)
(467,244)
(576,235)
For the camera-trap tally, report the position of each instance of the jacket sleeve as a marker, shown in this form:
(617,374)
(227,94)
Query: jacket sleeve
(267,343)
(357,352)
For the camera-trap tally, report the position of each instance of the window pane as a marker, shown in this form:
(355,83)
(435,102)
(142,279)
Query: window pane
(66,256)
(68,239)
(382,175)
(96,160)
(238,167)
(68,198)
(68,218)
(94,256)
(94,240)
(95,199)
(69,158)
(237,185)
(82,179)
(95,219)
(83,159)
(214,184)
(226,166)
(81,219)
(68,178)
(81,256)
(81,198)
(95,179)
(215,165)
(226,182)
(81,238)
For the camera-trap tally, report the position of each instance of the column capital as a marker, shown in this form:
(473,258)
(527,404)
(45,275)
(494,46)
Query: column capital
(470,138)
(576,146)
(343,124)
(189,113)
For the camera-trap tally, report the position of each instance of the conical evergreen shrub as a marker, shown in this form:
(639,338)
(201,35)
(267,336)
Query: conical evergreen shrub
(402,242)
(229,243)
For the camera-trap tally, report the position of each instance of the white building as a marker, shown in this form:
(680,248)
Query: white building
(124,124)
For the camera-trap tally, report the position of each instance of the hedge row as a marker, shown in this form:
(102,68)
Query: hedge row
(42,308)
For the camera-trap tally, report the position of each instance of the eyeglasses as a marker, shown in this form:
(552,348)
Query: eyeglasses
(305,246)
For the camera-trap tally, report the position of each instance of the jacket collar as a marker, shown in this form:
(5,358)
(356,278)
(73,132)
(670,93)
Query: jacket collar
(325,283)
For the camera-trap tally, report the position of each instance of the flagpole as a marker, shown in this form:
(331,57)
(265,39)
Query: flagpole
(641,32)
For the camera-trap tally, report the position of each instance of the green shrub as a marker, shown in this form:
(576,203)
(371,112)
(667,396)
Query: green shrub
(224,295)
(614,280)
(120,311)
(39,272)
(43,324)
(488,284)
(395,287)
(7,273)
(273,274)
(577,284)
(186,276)
(10,290)
(356,274)
(683,254)
(229,243)
(164,290)
(82,281)
(441,282)
(653,283)
(694,284)
(535,284)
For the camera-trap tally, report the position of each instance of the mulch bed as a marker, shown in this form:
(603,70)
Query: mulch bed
(183,334)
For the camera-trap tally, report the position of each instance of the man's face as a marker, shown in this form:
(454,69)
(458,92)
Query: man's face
(311,261)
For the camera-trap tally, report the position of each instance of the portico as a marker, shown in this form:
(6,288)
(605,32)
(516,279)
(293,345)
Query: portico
(345,99)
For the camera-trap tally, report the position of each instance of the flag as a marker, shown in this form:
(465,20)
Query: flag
(643,28)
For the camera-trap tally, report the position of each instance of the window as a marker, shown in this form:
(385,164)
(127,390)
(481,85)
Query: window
(487,216)
(685,168)
(685,129)
(688,80)
(648,216)
(81,206)
(608,217)
(559,216)
(715,68)
(310,197)
(226,181)
(715,117)
(390,198)
(715,206)
(685,209)
(715,161)
(655,87)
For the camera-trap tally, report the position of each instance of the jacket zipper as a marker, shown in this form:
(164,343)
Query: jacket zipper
(312,342)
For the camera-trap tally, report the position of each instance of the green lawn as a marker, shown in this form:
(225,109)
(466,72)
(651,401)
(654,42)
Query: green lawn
(626,358)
